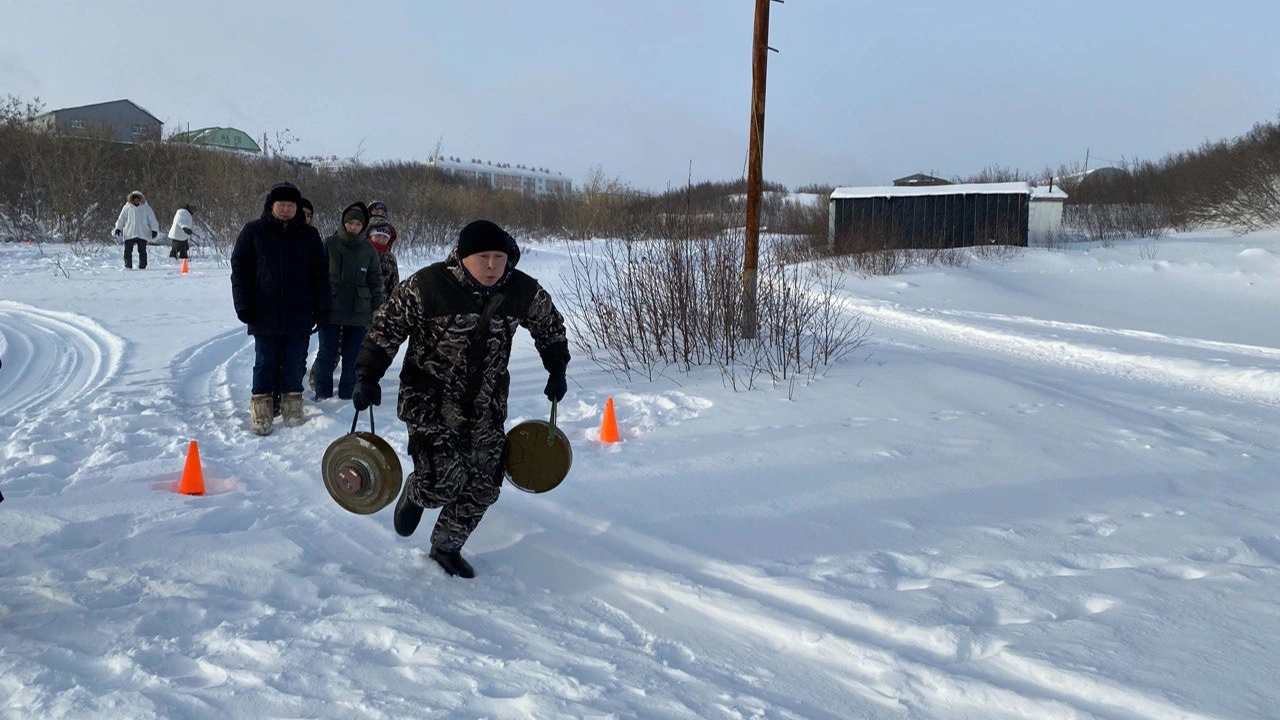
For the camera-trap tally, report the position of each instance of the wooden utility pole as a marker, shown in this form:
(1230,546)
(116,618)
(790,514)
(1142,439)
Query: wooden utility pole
(755,169)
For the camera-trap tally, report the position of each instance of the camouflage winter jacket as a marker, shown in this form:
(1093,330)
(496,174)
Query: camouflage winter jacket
(390,272)
(455,370)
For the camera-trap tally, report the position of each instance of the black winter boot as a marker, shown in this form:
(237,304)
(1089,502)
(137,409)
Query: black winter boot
(408,514)
(453,563)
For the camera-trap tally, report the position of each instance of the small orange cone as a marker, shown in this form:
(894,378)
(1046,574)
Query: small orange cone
(184,269)
(609,425)
(192,476)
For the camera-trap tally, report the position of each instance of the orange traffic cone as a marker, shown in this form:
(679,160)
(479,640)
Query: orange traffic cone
(192,476)
(184,269)
(609,425)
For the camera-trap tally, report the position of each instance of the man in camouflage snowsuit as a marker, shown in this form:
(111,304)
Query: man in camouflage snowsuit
(459,317)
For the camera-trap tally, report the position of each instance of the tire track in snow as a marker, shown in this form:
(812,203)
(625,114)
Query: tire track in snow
(1260,351)
(201,376)
(52,359)
(944,666)
(1238,383)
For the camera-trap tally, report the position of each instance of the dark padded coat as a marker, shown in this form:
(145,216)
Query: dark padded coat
(355,275)
(455,371)
(280,276)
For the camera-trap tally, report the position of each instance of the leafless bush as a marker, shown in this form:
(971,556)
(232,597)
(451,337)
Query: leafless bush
(1107,223)
(999,253)
(646,308)
(875,262)
(1231,183)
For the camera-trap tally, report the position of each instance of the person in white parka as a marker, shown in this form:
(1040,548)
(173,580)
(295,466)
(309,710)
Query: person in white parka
(180,233)
(136,225)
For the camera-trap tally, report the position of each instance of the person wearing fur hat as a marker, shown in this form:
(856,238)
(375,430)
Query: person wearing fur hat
(459,317)
(280,287)
(136,225)
(355,278)
(382,235)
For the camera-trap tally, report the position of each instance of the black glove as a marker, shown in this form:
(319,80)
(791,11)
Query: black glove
(557,386)
(117,233)
(367,393)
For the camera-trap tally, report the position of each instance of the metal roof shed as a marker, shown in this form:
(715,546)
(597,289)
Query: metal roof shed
(942,216)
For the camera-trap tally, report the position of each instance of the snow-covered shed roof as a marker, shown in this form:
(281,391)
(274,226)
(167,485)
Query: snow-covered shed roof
(1043,192)
(915,191)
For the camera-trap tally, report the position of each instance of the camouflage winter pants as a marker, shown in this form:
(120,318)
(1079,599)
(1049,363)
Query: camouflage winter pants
(461,478)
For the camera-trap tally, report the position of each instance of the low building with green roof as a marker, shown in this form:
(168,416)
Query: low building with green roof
(224,138)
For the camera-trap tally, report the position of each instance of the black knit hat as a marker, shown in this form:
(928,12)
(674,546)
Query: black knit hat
(284,192)
(305,204)
(377,208)
(485,236)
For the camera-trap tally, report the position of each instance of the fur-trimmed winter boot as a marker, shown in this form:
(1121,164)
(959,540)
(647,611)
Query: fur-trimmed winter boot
(260,413)
(291,409)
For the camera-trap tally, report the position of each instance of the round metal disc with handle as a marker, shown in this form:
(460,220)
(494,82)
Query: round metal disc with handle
(362,471)
(538,455)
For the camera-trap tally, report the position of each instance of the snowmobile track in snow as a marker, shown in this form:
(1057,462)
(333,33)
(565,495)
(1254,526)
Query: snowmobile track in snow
(202,382)
(58,358)
(858,645)
(1247,384)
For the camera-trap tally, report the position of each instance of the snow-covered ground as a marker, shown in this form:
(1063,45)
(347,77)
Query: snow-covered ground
(1048,489)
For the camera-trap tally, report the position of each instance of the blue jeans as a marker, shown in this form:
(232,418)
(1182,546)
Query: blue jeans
(279,363)
(338,340)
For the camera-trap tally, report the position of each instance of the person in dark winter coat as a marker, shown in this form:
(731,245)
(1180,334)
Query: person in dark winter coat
(308,211)
(135,226)
(382,235)
(355,277)
(459,317)
(280,286)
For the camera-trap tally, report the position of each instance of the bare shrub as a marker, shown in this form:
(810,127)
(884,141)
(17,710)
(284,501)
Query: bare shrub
(1230,183)
(998,253)
(1106,223)
(646,308)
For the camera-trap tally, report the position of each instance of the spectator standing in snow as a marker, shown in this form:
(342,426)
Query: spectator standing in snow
(180,232)
(459,317)
(308,211)
(136,225)
(355,277)
(280,287)
(382,234)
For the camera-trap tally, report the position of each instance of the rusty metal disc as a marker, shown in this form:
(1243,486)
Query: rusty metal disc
(362,472)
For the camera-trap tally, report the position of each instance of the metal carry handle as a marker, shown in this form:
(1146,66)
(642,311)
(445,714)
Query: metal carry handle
(551,431)
(356,419)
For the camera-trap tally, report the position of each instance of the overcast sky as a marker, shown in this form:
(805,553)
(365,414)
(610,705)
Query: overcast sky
(861,92)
